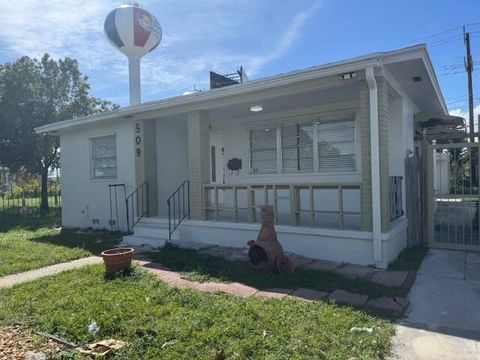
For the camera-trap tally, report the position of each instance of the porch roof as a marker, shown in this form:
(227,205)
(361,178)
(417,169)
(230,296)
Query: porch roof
(416,55)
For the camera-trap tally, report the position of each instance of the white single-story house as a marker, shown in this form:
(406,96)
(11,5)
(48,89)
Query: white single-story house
(326,146)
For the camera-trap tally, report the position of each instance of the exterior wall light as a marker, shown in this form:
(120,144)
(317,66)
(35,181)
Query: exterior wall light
(256,108)
(348,76)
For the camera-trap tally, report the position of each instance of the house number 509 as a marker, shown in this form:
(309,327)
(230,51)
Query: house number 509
(138,139)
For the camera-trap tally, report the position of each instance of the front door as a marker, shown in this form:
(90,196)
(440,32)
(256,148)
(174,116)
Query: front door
(453,196)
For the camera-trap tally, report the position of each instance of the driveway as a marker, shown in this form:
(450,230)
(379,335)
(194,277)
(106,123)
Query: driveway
(443,320)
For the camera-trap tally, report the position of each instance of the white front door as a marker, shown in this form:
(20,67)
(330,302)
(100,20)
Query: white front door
(217,162)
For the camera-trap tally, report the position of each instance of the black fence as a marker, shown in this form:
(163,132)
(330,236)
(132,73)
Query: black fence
(28,202)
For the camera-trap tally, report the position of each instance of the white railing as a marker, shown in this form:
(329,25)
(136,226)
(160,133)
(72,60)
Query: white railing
(294,204)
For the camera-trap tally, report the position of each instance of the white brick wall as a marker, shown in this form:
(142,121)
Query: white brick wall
(198,160)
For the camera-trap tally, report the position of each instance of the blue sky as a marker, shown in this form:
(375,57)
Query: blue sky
(266,36)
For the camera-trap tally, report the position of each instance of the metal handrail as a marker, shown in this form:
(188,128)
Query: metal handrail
(142,208)
(178,207)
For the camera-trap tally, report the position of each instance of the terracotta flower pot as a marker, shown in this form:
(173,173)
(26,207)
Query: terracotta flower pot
(119,259)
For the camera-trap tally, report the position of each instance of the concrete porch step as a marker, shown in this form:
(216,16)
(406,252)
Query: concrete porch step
(150,231)
(137,241)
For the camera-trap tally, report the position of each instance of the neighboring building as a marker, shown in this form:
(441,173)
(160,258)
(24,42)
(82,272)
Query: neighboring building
(324,149)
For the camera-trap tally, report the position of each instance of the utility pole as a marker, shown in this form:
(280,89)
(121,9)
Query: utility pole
(473,150)
(469,70)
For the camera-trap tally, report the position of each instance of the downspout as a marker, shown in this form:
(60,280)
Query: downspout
(375,159)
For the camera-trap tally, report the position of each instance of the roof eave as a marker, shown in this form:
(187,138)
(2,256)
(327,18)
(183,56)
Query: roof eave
(320,71)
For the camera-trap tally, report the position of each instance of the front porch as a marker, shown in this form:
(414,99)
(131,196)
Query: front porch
(309,154)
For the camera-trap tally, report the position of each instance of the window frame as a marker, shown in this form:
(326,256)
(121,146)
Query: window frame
(339,116)
(92,160)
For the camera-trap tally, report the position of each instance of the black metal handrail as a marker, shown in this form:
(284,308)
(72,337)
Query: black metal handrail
(178,207)
(113,195)
(396,201)
(138,203)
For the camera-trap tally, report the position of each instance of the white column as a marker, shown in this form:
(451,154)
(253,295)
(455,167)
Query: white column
(134,80)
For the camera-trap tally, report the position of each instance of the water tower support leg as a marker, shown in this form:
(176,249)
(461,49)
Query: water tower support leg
(134,77)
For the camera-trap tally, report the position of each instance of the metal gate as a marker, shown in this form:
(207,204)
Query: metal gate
(453,196)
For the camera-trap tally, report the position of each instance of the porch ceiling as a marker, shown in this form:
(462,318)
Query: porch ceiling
(302,100)
(412,75)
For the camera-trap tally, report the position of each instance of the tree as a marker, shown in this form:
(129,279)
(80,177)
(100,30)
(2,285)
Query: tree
(35,93)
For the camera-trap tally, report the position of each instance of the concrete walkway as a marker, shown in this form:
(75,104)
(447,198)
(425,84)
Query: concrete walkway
(14,279)
(443,320)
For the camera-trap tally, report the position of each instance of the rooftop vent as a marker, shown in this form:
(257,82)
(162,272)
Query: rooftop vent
(221,80)
(417,78)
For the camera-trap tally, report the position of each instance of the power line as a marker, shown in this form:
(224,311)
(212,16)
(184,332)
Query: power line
(429,36)
(435,35)
(445,41)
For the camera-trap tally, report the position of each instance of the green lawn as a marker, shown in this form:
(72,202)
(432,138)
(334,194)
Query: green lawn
(203,267)
(160,322)
(29,243)
(409,259)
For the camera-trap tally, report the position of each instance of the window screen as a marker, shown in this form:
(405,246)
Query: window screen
(297,147)
(263,150)
(336,145)
(104,157)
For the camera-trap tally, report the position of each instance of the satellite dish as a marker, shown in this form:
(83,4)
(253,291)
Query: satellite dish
(134,32)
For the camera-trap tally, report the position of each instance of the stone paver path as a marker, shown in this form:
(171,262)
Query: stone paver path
(14,279)
(237,289)
(403,279)
(397,305)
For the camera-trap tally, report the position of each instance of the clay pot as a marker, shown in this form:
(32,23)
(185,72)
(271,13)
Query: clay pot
(119,259)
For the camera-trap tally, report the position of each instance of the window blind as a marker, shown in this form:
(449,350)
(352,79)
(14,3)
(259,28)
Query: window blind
(297,147)
(336,145)
(263,150)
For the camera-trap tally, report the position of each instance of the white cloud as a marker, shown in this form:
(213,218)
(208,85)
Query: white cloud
(61,28)
(198,36)
(465,114)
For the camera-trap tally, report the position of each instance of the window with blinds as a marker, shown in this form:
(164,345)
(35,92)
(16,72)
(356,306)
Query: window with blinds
(336,145)
(263,150)
(104,157)
(297,147)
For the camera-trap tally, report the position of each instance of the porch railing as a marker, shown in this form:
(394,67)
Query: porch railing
(178,207)
(137,204)
(396,201)
(294,204)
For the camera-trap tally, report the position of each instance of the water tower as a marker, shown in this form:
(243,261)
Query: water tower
(134,32)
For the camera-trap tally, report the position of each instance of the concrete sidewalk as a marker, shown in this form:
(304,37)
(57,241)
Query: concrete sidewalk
(14,279)
(444,313)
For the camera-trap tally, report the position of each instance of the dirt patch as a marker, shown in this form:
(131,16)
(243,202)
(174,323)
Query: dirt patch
(16,343)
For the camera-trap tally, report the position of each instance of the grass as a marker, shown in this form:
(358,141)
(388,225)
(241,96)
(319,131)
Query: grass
(160,322)
(409,259)
(28,243)
(196,266)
